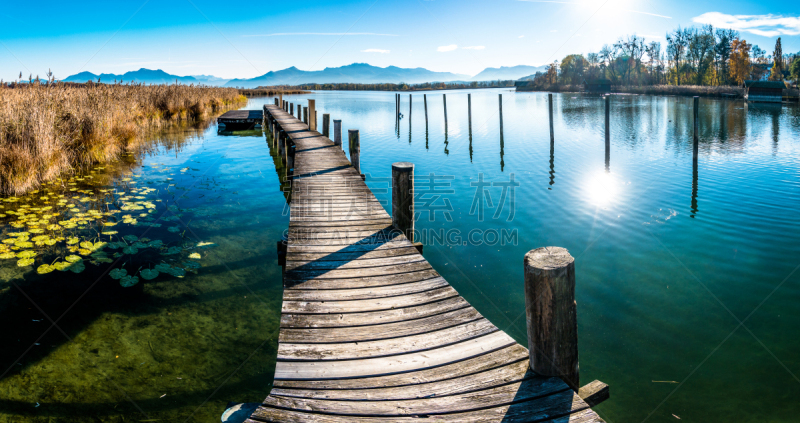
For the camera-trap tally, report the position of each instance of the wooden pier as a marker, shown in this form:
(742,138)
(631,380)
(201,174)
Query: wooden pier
(370,331)
(240,120)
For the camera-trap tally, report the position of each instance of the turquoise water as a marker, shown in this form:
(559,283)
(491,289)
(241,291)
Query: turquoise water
(685,286)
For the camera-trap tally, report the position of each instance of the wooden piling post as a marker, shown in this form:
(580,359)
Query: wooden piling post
(469,111)
(696,126)
(282,145)
(355,148)
(551,314)
(312,115)
(500,102)
(608,132)
(550,109)
(291,109)
(280,96)
(403,198)
(326,125)
(299,112)
(337,132)
(305,115)
(425,101)
(290,150)
(444,99)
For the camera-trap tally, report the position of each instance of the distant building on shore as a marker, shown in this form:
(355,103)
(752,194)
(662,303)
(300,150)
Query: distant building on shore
(763,91)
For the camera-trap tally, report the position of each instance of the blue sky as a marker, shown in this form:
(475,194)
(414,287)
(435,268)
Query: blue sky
(249,38)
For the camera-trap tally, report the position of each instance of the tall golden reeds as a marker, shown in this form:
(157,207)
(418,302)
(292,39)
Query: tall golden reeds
(48,129)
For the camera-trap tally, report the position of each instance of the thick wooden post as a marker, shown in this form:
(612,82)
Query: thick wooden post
(696,126)
(425,101)
(355,148)
(291,109)
(550,109)
(305,115)
(276,101)
(551,314)
(326,125)
(608,132)
(312,115)
(299,112)
(469,112)
(409,107)
(289,155)
(403,198)
(280,96)
(337,132)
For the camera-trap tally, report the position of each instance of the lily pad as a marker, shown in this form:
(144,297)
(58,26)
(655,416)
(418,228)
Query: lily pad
(24,262)
(173,250)
(139,245)
(191,265)
(72,258)
(26,254)
(205,244)
(128,281)
(7,255)
(72,240)
(117,273)
(109,232)
(155,243)
(148,274)
(195,256)
(130,250)
(130,238)
(77,267)
(45,268)
(174,229)
(87,245)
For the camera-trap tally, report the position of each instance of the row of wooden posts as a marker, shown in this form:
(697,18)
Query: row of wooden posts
(551,311)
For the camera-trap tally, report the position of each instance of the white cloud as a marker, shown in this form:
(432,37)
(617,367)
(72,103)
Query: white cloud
(451,47)
(553,30)
(374,50)
(474,48)
(521,36)
(764,25)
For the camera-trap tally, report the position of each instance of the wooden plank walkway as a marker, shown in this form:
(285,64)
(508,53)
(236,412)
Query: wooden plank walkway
(371,332)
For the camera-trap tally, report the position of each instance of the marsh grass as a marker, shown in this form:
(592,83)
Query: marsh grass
(49,129)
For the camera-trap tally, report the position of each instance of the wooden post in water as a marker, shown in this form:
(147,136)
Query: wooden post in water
(425,101)
(696,125)
(355,148)
(500,102)
(299,112)
(469,112)
(280,96)
(409,107)
(282,145)
(326,125)
(291,109)
(403,198)
(550,109)
(276,101)
(290,149)
(608,132)
(312,115)
(337,132)
(551,314)
(305,115)
(444,99)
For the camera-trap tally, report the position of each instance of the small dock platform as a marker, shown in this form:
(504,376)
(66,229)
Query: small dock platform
(370,332)
(240,120)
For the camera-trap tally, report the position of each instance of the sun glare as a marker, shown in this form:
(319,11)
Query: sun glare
(601,188)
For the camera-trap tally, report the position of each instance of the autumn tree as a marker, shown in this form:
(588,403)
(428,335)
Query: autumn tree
(740,60)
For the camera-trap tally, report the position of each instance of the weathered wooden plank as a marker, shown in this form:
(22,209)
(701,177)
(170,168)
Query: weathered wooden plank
(372,317)
(377,332)
(358,306)
(295,255)
(478,364)
(295,265)
(297,294)
(380,366)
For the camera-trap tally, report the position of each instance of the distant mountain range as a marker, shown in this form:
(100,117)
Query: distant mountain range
(355,73)
(506,73)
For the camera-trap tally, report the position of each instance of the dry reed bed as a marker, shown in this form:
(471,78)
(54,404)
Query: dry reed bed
(46,130)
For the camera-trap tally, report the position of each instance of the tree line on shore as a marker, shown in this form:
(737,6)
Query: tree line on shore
(402,86)
(702,56)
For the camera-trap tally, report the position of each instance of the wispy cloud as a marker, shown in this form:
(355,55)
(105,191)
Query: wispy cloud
(764,25)
(474,48)
(521,36)
(374,50)
(278,34)
(451,47)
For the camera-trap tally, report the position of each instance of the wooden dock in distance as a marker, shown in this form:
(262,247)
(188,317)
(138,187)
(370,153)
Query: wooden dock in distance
(240,120)
(370,332)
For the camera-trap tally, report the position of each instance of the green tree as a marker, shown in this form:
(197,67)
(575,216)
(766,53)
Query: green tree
(776,73)
(794,69)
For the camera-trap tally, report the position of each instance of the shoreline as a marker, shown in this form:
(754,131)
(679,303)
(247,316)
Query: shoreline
(726,92)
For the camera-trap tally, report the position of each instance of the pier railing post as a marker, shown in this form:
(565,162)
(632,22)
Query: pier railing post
(608,132)
(425,102)
(550,111)
(355,148)
(312,115)
(299,112)
(444,100)
(326,125)
(291,109)
(305,115)
(337,132)
(403,198)
(469,111)
(500,102)
(551,314)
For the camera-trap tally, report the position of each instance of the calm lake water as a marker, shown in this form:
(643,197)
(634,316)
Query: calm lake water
(687,278)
